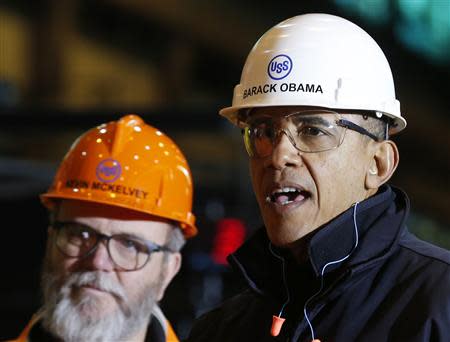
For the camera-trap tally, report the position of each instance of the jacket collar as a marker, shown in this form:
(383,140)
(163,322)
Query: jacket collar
(380,221)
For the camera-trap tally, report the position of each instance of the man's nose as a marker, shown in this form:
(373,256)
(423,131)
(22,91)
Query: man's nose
(284,153)
(99,259)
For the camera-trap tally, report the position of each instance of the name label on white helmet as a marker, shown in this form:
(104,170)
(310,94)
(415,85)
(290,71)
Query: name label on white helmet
(282,87)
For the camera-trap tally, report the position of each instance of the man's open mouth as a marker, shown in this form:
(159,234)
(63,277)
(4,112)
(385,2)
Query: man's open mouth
(287,195)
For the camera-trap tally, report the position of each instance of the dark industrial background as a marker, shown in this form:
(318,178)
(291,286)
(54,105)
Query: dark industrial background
(66,66)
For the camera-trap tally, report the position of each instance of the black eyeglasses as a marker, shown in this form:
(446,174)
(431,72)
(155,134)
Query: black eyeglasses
(308,131)
(127,252)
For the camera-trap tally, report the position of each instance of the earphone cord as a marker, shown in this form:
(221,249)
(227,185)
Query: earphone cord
(288,297)
(314,296)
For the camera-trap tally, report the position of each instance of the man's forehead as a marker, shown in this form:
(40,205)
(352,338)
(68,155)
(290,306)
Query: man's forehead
(114,219)
(280,111)
(86,208)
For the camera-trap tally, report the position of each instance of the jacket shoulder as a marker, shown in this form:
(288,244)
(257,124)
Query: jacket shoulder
(425,249)
(426,268)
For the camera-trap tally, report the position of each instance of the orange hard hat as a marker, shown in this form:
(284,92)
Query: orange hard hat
(129,164)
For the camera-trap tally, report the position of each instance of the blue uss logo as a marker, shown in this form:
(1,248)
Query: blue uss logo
(108,170)
(279,67)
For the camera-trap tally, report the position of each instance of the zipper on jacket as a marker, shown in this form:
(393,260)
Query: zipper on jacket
(278,321)
(321,293)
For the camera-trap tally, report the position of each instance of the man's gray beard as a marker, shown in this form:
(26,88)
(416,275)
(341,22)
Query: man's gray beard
(78,318)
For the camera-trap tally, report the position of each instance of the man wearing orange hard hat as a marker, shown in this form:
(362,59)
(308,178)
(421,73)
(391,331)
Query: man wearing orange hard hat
(120,211)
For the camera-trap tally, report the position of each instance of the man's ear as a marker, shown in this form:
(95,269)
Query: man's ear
(171,268)
(383,164)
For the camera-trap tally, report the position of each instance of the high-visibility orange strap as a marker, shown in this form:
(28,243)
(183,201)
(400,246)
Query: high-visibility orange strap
(170,334)
(25,332)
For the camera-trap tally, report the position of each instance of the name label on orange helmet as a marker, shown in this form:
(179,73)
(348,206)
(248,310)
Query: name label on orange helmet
(106,187)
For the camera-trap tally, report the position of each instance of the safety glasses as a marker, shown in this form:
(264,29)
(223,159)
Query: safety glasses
(308,131)
(127,252)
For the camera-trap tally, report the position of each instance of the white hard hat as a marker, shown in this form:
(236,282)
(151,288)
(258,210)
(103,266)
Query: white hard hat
(317,60)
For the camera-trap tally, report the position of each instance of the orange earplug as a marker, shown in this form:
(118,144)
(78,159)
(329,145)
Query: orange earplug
(277,323)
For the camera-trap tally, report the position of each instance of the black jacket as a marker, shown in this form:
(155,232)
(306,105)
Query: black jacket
(393,287)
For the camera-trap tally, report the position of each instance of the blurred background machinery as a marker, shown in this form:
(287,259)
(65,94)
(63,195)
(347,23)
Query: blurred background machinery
(66,66)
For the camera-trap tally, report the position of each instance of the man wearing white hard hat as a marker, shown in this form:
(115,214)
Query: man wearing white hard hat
(334,260)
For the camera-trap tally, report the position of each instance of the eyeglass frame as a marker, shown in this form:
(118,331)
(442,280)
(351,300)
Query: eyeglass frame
(340,122)
(151,246)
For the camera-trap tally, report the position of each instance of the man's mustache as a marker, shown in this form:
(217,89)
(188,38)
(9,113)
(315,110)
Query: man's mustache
(97,280)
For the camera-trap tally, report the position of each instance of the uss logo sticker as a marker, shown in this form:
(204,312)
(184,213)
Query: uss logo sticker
(279,67)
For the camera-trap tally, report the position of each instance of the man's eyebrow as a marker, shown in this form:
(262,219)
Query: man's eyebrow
(259,118)
(120,232)
(130,235)
(73,222)
(318,120)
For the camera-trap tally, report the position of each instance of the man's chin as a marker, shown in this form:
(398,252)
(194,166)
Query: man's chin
(285,235)
(94,304)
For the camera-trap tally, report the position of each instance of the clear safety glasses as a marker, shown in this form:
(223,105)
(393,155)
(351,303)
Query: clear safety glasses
(127,252)
(308,131)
